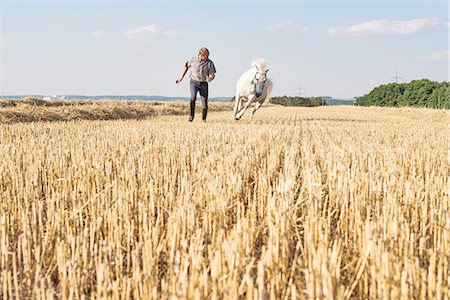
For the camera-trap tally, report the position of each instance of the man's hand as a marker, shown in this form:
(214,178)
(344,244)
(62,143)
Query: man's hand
(210,77)
(182,75)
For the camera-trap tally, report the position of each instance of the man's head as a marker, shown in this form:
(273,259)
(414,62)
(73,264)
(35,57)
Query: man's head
(203,54)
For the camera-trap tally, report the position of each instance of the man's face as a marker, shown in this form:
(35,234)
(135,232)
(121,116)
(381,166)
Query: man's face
(203,56)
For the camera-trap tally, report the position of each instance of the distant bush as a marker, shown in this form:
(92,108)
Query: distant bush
(298,101)
(418,93)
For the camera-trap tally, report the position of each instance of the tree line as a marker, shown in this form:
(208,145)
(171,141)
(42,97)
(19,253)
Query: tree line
(418,93)
(295,101)
(298,101)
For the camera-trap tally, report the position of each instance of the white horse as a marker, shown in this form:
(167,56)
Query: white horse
(252,86)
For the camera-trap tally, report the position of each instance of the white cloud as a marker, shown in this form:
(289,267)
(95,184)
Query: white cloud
(97,34)
(447,24)
(279,26)
(304,29)
(141,31)
(437,56)
(383,27)
(145,32)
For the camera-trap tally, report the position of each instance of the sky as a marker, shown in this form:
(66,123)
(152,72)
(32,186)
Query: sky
(336,48)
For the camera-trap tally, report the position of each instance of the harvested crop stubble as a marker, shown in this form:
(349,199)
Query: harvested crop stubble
(36,110)
(328,202)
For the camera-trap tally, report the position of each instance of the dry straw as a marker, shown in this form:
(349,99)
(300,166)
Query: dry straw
(300,203)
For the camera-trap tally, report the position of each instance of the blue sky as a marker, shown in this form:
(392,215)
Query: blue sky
(316,48)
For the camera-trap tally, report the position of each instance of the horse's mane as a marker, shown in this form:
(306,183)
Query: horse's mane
(259,63)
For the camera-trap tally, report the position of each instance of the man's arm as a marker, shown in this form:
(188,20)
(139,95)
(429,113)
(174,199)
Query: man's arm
(182,75)
(212,72)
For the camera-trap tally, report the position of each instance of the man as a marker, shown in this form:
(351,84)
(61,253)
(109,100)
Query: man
(202,72)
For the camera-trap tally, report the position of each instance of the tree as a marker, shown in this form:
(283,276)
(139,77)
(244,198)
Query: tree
(420,93)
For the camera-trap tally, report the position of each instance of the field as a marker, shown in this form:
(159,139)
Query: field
(299,203)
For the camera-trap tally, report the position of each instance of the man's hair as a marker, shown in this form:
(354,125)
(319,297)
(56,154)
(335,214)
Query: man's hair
(203,51)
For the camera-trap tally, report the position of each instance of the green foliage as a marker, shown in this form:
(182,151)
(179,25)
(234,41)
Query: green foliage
(418,93)
(298,101)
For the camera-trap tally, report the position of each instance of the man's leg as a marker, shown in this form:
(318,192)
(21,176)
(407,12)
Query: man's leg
(194,90)
(204,97)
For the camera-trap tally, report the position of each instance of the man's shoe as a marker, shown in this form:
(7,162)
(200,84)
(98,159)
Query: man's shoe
(204,113)
(192,111)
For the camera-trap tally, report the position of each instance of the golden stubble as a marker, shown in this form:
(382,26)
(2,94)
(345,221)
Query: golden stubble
(300,203)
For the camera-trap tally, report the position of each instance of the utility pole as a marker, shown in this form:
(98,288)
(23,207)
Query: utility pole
(300,90)
(396,77)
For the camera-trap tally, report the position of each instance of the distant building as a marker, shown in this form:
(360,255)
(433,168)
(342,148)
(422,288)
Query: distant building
(54,97)
(326,97)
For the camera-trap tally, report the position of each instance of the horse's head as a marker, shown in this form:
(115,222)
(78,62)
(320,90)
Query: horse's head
(259,80)
(260,75)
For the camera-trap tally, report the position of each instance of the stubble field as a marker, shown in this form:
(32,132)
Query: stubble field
(299,203)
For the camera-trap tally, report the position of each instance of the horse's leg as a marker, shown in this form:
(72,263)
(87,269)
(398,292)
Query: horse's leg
(249,101)
(238,108)
(237,101)
(240,104)
(257,106)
